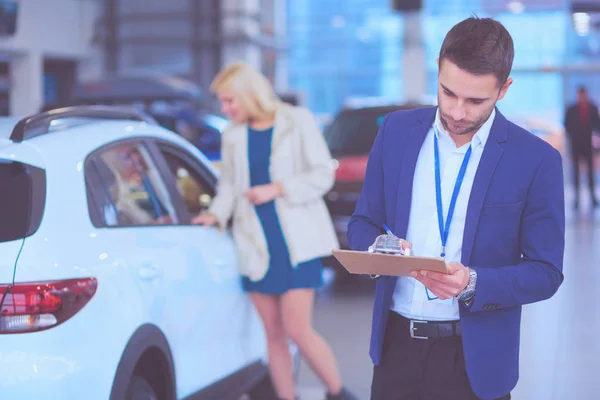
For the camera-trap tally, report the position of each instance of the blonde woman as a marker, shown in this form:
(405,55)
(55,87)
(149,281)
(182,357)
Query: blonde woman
(275,171)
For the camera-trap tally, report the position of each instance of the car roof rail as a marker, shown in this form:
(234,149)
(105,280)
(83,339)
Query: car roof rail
(41,124)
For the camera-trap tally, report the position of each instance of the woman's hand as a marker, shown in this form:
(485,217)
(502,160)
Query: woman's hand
(205,218)
(264,193)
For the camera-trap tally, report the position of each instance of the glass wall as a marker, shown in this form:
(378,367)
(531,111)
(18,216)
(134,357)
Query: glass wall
(154,35)
(540,42)
(341,50)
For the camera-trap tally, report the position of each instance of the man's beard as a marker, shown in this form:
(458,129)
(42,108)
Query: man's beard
(466,127)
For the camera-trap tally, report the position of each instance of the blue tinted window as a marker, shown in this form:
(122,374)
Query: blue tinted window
(354,48)
(540,40)
(344,49)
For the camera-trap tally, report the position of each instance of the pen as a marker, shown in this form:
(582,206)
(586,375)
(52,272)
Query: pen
(387,230)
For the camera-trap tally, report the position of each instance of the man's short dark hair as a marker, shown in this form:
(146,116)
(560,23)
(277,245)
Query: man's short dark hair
(480,46)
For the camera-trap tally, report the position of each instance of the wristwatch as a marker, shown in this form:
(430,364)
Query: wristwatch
(469,292)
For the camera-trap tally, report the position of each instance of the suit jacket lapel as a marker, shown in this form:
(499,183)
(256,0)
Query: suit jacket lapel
(492,153)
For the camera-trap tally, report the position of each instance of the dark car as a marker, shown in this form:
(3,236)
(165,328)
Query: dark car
(350,137)
(175,103)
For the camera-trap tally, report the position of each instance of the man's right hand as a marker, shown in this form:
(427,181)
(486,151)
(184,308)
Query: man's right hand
(406,246)
(406,250)
(205,219)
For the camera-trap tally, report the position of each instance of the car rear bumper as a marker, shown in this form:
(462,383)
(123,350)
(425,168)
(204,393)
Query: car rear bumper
(48,365)
(77,359)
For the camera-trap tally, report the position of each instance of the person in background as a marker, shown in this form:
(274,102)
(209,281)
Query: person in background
(137,189)
(275,171)
(580,120)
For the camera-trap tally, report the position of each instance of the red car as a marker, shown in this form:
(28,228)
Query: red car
(350,137)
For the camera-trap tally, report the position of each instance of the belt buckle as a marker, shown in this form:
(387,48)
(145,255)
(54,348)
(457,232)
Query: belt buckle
(412,329)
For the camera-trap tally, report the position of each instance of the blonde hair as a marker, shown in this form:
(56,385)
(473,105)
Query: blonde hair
(251,88)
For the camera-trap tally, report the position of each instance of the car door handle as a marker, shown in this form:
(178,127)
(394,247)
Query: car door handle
(149,271)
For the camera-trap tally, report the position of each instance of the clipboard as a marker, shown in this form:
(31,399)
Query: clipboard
(366,263)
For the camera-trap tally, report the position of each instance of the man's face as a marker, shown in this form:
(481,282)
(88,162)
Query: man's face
(132,161)
(582,96)
(466,100)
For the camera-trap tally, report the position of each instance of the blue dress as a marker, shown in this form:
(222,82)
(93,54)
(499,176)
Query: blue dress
(281,275)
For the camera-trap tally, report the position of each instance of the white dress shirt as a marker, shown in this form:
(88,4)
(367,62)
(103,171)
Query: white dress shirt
(410,296)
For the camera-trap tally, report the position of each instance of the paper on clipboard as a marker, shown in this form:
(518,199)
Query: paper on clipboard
(366,263)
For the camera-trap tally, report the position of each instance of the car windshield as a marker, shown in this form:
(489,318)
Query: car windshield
(353,132)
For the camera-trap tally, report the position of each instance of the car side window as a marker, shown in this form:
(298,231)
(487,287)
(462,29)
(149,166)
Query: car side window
(130,190)
(195,189)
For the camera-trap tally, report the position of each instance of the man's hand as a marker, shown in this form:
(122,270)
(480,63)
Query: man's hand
(406,249)
(264,193)
(445,286)
(406,245)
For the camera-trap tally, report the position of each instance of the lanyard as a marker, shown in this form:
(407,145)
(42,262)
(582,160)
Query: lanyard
(445,228)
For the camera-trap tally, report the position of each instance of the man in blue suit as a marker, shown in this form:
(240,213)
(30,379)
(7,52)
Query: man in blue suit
(461,182)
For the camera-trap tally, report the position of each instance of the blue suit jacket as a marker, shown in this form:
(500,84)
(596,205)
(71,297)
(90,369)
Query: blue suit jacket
(513,235)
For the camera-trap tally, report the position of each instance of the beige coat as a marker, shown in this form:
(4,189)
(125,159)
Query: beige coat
(301,163)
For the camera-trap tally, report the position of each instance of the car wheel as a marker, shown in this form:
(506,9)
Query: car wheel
(140,389)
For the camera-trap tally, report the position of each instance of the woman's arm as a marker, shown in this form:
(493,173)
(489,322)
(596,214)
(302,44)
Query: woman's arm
(318,178)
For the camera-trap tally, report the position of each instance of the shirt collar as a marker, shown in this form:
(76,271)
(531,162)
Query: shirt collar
(479,139)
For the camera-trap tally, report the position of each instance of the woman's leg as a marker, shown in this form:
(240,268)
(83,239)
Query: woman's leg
(296,308)
(280,360)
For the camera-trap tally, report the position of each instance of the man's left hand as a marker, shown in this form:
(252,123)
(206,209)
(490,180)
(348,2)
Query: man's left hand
(445,286)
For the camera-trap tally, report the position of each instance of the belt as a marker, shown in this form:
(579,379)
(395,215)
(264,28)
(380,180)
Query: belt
(429,329)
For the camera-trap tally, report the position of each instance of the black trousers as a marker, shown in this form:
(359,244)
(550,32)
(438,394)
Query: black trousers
(587,157)
(420,369)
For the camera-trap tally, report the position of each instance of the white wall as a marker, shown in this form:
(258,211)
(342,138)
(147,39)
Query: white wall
(61,29)
(57,28)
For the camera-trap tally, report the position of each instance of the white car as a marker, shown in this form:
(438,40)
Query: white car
(106,289)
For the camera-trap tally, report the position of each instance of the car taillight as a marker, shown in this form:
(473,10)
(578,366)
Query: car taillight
(351,169)
(35,306)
